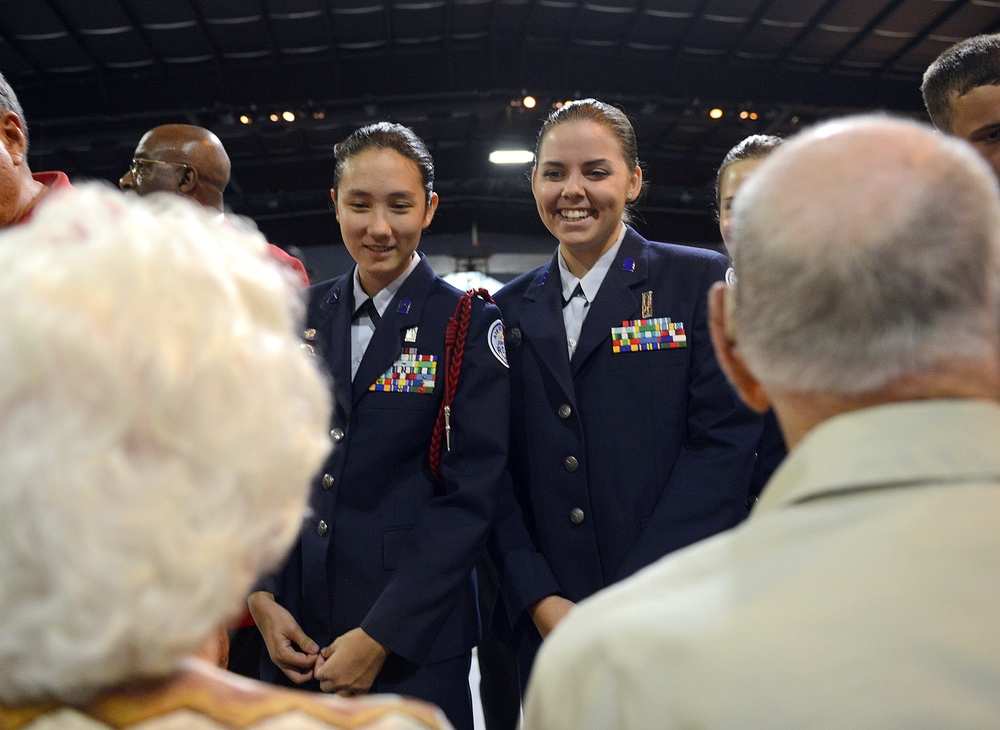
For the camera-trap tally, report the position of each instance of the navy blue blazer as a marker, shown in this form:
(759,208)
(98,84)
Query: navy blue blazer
(616,459)
(385,547)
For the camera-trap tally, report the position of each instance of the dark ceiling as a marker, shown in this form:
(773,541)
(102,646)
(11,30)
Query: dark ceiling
(94,75)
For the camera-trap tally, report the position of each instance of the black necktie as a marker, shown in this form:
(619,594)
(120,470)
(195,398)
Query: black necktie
(367,308)
(578,292)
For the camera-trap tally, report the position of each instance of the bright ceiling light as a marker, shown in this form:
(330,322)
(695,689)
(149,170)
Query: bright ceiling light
(244,119)
(511,157)
(529,102)
(288,116)
(716,113)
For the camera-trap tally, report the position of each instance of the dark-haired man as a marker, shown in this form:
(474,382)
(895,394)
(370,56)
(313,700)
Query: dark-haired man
(962,94)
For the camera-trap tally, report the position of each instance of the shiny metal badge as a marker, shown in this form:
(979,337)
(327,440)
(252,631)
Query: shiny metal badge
(647,304)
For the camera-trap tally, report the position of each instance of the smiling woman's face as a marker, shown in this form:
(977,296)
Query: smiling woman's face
(382,208)
(581,183)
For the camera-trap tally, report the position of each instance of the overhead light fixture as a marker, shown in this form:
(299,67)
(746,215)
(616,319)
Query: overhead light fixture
(288,116)
(274,117)
(715,113)
(744,114)
(244,119)
(529,102)
(511,157)
(753,115)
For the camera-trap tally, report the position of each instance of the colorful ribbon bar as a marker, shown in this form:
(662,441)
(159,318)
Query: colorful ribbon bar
(640,335)
(411,373)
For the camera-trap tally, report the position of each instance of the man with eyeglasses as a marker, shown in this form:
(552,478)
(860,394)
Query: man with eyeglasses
(189,161)
(20,189)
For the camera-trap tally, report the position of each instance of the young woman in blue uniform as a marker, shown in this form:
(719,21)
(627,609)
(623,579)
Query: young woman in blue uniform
(626,440)
(745,157)
(379,593)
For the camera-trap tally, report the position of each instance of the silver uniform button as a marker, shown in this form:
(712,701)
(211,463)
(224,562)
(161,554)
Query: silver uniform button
(337,435)
(565,411)
(327,481)
(571,464)
(322,528)
(576,516)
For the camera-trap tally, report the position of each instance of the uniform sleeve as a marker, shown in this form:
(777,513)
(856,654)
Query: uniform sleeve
(450,529)
(713,469)
(525,576)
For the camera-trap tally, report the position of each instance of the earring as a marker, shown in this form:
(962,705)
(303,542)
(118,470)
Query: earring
(630,196)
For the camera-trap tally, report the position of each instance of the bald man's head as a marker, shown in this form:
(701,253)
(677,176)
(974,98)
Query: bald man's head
(867,248)
(181,159)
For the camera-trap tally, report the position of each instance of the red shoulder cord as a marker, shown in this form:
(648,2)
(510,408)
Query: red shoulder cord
(454,349)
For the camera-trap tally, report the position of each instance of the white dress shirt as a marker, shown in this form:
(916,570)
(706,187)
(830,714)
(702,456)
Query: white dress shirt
(577,303)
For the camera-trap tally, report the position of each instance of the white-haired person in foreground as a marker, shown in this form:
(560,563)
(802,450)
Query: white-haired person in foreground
(159,424)
(863,590)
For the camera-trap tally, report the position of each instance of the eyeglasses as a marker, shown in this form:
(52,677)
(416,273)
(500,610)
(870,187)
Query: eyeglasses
(135,169)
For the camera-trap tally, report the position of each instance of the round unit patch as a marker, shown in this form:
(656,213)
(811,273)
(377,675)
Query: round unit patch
(730,276)
(497,346)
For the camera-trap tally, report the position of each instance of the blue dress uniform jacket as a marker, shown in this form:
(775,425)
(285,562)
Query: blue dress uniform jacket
(619,458)
(385,547)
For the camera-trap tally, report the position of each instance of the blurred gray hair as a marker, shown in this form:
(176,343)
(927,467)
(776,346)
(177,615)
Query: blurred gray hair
(867,248)
(10,103)
(159,426)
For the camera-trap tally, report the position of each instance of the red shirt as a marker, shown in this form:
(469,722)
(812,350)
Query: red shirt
(53,180)
(290,261)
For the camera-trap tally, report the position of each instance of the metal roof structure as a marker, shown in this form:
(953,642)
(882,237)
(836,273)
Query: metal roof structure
(93,76)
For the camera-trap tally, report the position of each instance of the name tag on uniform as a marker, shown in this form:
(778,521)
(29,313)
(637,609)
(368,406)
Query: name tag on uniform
(638,335)
(411,373)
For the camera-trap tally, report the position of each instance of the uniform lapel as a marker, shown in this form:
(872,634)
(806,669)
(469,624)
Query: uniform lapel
(616,300)
(542,325)
(402,313)
(333,328)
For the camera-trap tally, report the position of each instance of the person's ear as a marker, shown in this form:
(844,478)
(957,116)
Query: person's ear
(12,136)
(333,203)
(727,352)
(188,181)
(635,184)
(431,208)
